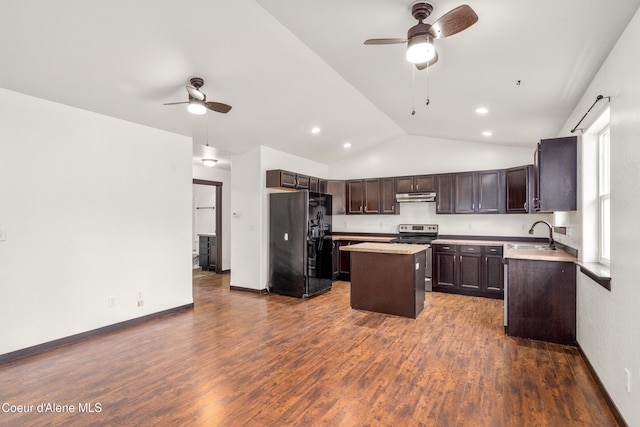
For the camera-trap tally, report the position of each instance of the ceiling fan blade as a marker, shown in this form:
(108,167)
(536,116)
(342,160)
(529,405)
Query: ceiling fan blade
(218,107)
(175,103)
(454,21)
(195,93)
(385,41)
(428,63)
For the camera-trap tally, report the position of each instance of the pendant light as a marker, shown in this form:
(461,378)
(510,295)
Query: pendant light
(207,161)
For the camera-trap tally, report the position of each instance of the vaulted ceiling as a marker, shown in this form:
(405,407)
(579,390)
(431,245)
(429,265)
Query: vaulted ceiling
(289,65)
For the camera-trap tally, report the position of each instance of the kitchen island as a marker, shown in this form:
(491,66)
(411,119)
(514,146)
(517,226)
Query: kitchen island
(388,278)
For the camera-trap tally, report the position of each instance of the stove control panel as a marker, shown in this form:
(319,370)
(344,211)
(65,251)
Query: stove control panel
(418,228)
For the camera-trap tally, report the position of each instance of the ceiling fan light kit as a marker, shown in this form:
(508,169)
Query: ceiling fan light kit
(420,47)
(197,103)
(196,106)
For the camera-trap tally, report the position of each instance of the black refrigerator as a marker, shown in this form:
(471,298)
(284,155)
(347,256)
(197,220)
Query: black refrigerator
(300,245)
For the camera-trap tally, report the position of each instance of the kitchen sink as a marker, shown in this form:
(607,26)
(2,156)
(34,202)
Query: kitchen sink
(534,247)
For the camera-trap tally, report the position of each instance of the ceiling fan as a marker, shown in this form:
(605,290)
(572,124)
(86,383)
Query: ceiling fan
(420,48)
(197,103)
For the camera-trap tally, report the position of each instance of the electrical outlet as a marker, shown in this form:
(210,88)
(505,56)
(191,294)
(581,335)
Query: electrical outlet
(140,300)
(111,302)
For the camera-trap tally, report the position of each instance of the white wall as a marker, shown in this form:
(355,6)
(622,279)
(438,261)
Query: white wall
(246,219)
(94,207)
(250,228)
(223,176)
(412,155)
(608,322)
(204,211)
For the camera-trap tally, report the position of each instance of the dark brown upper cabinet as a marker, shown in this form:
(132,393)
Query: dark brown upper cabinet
(479,192)
(281,179)
(464,190)
(371,196)
(491,187)
(555,165)
(338,201)
(413,184)
(388,196)
(444,194)
(314,184)
(355,200)
(286,180)
(519,189)
(322,186)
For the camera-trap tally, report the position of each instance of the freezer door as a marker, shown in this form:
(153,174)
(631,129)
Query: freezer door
(319,244)
(288,218)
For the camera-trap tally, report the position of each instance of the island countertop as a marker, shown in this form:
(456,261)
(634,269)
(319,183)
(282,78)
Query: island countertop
(386,248)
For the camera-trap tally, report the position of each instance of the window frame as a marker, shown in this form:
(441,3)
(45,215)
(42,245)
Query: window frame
(604,195)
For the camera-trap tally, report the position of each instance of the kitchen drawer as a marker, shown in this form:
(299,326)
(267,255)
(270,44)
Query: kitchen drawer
(446,248)
(470,249)
(492,250)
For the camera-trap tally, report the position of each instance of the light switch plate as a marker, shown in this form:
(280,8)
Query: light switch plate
(3,234)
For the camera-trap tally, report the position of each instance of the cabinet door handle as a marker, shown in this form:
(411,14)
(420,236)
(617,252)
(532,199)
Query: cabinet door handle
(446,247)
(525,206)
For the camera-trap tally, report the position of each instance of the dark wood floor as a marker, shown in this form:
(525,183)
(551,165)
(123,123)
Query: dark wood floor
(245,359)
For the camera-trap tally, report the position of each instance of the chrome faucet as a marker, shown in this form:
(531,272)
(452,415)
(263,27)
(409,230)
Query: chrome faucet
(552,244)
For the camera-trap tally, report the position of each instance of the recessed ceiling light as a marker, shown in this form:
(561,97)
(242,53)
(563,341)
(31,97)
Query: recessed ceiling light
(487,133)
(481,110)
(315,130)
(347,145)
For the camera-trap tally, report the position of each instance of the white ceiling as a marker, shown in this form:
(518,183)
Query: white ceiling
(288,65)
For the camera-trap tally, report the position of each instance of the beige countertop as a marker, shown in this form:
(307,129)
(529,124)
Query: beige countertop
(207,234)
(362,238)
(532,254)
(538,255)
(385,248)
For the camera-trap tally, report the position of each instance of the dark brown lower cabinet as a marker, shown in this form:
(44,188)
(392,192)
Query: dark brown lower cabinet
(468,270)
(493,270)
(541,300)
(208,252)
(341,260)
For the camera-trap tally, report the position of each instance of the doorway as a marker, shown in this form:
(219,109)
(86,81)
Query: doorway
(208,219)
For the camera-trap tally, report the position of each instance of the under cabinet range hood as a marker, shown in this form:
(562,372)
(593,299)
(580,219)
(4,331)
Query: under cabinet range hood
(416,197)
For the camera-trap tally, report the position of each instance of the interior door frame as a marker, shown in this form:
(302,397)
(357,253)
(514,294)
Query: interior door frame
(218,211)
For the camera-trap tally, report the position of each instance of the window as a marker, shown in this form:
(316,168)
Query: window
(604,195)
